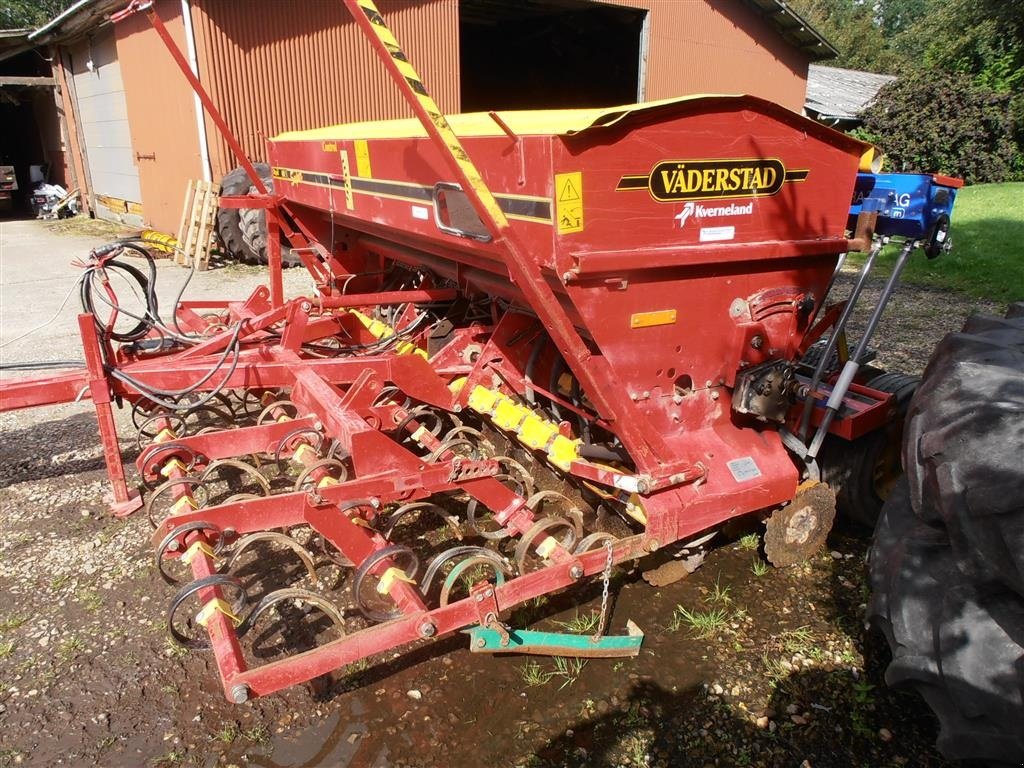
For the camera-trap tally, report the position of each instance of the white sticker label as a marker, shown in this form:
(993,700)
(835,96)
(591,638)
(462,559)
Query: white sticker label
(419,212)
(743,469)
(716,234)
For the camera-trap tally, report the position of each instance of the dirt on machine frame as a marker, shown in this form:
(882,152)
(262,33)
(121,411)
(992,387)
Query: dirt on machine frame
(541,344)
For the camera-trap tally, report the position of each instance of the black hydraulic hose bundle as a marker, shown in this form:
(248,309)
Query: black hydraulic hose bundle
(105,258)
(145,322)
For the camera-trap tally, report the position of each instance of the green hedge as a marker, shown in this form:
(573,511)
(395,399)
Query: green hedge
(941,122)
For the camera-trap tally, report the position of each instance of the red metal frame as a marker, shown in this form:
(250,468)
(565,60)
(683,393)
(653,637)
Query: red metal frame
(579,297)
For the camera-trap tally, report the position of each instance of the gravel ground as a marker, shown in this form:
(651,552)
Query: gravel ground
(768,668)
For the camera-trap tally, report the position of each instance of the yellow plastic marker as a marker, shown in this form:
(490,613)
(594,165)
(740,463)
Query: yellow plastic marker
(217,605)
(195,549)
(301,451)
(164,435)
(382,331)
(547,547)
(173,464)
(179,507)
(533,431)
(389,577)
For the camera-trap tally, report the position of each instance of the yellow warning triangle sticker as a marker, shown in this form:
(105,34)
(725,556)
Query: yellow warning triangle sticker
(568,192)
(569,202)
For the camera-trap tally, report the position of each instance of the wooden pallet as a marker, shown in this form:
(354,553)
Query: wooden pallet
(196,233)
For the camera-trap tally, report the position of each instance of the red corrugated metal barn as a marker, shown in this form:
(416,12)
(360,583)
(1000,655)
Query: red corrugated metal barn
(135,134)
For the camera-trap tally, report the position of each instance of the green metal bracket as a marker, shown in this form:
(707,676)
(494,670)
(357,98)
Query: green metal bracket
(484,640)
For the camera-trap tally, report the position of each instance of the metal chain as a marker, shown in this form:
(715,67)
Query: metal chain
(605,578)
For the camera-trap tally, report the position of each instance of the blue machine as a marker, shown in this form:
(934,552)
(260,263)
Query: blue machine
(916,206)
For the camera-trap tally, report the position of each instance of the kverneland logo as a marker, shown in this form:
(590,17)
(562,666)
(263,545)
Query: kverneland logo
(674,180)
(698,211)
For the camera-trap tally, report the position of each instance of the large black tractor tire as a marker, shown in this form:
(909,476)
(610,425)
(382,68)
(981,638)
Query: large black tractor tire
(862,472)
(243,231)
(964,446)
(945,562)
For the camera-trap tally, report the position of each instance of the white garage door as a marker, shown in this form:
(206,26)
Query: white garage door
(104,122)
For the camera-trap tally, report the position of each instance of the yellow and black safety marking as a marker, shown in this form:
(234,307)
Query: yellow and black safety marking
(677,180)
(535,209)
(447,136)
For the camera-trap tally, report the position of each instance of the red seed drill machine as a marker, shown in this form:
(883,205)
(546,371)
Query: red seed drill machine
(542,344)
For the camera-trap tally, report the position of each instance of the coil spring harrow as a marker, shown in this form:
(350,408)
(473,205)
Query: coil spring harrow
(424,520)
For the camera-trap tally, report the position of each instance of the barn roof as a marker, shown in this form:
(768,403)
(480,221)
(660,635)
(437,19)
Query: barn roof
(840,94)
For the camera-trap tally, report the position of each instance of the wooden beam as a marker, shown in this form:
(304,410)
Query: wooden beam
(43,81)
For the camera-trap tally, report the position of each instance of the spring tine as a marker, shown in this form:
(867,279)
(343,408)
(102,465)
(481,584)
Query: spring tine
(216,580)
(192,482)
(395,517)
(292,593)
(572,511)
(300,432)
(322,464)
(171,542)
(173,421)
(435,565)
(447,446)
(463,565)
(587,543)
(238,464)
(409,572)
(541,526)
(525,478)
(282,404)
(274,537)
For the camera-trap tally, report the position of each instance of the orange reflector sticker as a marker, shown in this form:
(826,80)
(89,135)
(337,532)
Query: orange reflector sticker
(647,319)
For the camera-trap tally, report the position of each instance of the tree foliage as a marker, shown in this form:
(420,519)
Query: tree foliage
(933,121)
(19,14)
(974,50)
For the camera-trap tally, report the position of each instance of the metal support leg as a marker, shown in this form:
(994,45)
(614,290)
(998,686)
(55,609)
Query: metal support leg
(274,259)
(122,501)
(833,339)
(849,371)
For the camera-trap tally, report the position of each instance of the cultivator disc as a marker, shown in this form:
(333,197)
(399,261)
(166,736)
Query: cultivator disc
(798,530)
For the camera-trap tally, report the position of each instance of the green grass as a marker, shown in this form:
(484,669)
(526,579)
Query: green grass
(759,566)
(11,622)
(986,261)
(227,733)
(70,648)
(90,599)
(719,594)
(750,541)
(568,669)
(6,649)
(701,623)
(581,624)
(258,734)
(533,674)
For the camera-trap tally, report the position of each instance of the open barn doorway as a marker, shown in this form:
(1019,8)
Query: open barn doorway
(549,54)
(31,148)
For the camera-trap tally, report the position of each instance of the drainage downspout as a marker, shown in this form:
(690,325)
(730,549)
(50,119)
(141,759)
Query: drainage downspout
(193,63)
